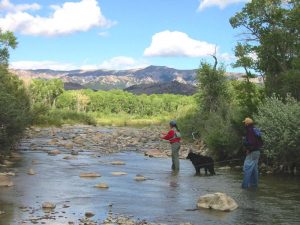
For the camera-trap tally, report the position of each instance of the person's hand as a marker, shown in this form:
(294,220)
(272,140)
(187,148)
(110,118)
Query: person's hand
(163,133)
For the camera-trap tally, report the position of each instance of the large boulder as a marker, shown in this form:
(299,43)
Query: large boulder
(217,201)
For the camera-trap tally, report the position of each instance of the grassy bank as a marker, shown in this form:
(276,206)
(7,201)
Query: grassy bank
(58,117)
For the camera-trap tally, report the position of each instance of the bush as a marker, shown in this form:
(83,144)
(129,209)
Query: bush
(279,120)
(14,110)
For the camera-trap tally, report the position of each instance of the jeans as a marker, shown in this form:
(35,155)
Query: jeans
(175,155)
(251,170)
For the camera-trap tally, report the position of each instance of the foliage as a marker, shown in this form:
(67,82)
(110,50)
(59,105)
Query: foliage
(246,96)
(212,119)
(15,108)
(7,40)
(118,102)
(213,87)
(45,92)
(60,117)
(279,119)
(273,35)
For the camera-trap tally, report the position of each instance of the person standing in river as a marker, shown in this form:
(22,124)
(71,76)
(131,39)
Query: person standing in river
(252,143)
(174,138)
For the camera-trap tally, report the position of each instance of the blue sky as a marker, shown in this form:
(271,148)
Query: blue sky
(119,34)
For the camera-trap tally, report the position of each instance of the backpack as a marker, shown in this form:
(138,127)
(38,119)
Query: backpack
(258,135)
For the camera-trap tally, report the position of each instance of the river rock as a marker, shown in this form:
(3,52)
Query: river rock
(7,163)
(5,181)
(54,152)
(89,214)
(68,146)
(31,172)
(74,152)
(224,168)
(117,163)
(102,185)
(217,201)
(155,153)
(140,178)
(48,205)
(90,174)
(8,174)
(15,156)
(118,173)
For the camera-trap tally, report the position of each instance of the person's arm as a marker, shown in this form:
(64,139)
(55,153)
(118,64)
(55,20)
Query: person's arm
(169,135)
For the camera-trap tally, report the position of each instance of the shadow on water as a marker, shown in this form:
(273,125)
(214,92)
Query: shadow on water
(164,197)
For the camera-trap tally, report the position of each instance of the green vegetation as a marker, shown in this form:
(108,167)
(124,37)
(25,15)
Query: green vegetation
(279,119)
(52,105)
(271,49)
(271,29)
(14,101)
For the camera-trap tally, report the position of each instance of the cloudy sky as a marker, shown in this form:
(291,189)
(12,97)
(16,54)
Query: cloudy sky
(119,34)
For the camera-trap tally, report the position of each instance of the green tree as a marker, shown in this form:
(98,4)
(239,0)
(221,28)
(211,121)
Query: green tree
(14,101)
(7,41)
(45,92)
(272,33)
(212,87)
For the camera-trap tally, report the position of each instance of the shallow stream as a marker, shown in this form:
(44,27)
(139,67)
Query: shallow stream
(163,198)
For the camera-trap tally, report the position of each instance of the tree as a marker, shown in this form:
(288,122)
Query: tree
(45,92)
(272,34)
(7,40)
(212,87)
(14,101)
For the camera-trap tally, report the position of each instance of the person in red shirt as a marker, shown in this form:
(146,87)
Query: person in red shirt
(174,137)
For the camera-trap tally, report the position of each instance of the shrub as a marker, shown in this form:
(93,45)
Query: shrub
(279,120)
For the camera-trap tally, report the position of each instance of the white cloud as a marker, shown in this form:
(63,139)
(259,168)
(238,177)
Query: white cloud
(220,3)
(116,63)
(122,63)
(67,18)
(6,5)
(227,57)
(175,43)
(33,65)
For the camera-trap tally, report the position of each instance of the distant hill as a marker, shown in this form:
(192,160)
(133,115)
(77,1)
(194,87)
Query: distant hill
(173,87)
(120,79)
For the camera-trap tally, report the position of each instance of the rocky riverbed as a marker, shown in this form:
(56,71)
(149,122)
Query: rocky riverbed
(102,140)
(72,141)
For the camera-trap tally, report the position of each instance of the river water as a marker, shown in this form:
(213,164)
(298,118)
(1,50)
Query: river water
(163,198)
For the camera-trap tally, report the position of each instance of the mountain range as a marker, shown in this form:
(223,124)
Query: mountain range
(119,79)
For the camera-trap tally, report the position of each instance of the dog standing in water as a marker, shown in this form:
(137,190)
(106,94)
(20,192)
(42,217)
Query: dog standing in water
(200,161)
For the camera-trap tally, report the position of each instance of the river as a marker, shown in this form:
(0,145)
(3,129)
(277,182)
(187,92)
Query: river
(163,198)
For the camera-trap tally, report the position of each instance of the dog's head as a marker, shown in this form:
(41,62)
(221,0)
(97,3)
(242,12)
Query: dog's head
(189,156)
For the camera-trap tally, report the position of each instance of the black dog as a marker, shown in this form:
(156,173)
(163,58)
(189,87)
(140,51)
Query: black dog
(200,161)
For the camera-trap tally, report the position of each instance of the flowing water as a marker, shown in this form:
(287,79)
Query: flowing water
(163,198)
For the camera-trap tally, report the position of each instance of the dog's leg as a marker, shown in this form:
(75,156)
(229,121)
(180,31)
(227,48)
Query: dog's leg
(197,168)
(205,170)
(212,170)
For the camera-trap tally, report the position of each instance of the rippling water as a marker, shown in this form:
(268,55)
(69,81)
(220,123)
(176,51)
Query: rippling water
(163,198)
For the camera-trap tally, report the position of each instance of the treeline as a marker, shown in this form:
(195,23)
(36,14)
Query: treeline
(14,99)
(270,49)
(48,97)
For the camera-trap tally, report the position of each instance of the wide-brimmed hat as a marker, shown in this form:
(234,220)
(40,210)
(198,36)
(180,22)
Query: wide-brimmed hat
(247,121)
